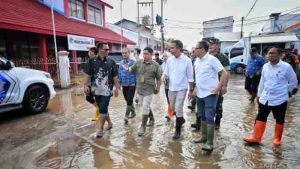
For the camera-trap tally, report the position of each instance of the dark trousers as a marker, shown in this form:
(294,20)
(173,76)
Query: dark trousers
(128,93)
(219,107)
(251,84)
(102,102)
(278,112)
(166,92)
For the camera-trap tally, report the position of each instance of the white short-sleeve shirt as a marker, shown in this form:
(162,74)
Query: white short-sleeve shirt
(206,73)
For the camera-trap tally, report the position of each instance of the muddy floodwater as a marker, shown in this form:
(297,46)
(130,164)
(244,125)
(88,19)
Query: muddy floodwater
(64,137)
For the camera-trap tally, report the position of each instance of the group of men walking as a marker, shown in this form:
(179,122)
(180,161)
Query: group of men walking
(205,79)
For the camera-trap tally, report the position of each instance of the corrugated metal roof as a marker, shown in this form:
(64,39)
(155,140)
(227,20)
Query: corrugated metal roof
(32,16)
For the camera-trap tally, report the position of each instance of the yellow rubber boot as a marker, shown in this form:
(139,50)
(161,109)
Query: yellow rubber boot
(96,116)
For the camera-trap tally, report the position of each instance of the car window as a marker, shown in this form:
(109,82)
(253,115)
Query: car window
(236,52)
(116,56)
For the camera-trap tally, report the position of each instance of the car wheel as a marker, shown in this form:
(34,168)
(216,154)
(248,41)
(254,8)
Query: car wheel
(239,69)
(35,99)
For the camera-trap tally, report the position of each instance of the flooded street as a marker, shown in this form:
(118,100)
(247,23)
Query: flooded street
(64,137)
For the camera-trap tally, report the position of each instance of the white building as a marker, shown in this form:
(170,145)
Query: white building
(130,31)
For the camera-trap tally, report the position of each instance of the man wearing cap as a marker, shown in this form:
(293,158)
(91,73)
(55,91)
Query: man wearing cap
(90,96)
(214,49)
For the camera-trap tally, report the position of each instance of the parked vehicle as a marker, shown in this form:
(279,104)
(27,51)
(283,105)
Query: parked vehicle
(24,88)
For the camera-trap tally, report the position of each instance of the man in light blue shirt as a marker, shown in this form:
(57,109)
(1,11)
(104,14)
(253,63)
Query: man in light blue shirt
(277,80)
(253,72)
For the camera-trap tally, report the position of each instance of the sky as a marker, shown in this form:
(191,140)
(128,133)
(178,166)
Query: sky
(185,17)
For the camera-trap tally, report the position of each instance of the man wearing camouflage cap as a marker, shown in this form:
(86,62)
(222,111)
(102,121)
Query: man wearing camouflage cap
(214,49)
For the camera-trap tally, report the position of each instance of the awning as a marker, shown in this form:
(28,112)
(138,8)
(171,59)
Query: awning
(279,38)
(32,16)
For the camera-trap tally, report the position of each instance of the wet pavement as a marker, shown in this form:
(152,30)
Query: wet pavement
(64,137)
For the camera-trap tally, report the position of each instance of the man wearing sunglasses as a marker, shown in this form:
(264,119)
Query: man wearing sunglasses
(105,74)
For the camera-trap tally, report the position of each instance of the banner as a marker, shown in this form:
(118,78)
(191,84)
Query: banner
(79,43)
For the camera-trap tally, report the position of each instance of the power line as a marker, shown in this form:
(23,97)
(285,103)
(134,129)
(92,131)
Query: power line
(251,9)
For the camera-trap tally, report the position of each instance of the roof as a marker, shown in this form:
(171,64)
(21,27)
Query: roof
(274,38)
(32,16)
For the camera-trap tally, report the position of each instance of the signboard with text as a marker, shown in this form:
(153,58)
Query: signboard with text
(79,43)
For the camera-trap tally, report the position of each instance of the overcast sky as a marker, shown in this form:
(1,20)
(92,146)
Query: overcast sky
(178,12)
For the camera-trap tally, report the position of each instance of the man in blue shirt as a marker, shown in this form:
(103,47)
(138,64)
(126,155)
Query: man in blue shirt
(253,72)
(128,82)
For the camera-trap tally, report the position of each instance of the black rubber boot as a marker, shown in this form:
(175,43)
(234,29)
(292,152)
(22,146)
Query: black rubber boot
(197,124)
(151,119)
(142,129)
(179,122)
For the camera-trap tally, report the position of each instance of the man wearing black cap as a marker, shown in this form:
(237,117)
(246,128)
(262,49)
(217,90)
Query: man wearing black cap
(214,49)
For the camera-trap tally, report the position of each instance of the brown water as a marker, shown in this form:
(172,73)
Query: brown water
(64,137)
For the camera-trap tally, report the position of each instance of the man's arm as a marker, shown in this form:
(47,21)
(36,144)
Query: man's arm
(158,79)
(223,81)
(86,81)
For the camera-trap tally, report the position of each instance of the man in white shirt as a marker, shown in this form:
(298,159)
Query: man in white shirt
(179,72)
(207,71)
(277,80)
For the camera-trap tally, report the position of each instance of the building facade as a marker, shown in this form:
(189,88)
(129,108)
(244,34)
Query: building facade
(26,31)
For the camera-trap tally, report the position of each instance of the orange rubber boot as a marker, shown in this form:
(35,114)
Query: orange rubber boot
(258,132)
(170,112)
(278,134)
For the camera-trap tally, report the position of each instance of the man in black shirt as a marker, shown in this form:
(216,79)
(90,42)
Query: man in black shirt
(105,74)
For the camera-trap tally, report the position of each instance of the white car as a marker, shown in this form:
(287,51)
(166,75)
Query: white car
(24,88)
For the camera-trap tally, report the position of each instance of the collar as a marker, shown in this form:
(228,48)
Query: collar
(277,65)
(105,59)
(150,62)
(205,56)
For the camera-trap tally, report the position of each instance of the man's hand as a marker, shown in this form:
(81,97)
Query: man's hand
(216,90)
(164,78)
(156,91)
(257,73)
(257,100)
(116,92)
(86,89)
(223,90)
(190,94)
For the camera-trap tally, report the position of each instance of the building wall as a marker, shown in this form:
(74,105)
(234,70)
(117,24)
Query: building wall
(217,25)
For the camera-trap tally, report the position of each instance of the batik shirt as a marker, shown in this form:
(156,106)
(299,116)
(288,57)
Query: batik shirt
(103,72)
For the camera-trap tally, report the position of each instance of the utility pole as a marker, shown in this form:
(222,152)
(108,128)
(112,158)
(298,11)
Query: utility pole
(150,3)
(152,25)
(138,24)
(55,44)
(121,11)
(242,27)
(162,28)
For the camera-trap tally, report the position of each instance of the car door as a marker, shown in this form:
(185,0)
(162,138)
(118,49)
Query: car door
(9,85)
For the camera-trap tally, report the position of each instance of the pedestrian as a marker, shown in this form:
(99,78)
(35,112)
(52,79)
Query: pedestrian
(128,83)
(179,72)
(170,113)
(277,80)
(291,59)
(207,71)
(90,97)
(296,56)
(136,54)
(253,73)
(157,59)
(105,73)
(214,49)
(148,83)
(193,100)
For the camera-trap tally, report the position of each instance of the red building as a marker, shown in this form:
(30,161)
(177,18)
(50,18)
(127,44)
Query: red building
(26,32)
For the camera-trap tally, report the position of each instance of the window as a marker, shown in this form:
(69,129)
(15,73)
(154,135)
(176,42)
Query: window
(76,8)
(95,15)
(236,52)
